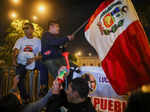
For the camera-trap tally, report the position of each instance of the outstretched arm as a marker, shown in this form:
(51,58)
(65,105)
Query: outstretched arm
(38,105)
(46,38)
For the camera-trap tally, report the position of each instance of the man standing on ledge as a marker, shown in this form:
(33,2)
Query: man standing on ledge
(51,48)
(25,52)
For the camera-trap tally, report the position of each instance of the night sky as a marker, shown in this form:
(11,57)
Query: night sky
(70,13)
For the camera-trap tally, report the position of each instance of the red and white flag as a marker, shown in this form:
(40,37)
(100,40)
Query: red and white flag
(116,33)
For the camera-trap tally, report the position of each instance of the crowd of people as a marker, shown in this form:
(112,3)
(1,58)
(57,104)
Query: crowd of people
(74,98)
(31,53)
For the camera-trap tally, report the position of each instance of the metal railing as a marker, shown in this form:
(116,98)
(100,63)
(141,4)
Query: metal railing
(32,81)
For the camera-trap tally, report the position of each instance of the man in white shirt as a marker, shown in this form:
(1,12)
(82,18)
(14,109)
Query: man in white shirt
(25,53)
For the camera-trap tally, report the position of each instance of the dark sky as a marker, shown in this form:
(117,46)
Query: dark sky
(70,13)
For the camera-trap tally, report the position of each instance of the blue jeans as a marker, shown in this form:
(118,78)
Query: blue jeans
(21,71)
(43,73)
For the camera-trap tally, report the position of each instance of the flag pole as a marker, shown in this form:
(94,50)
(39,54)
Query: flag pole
(79,28)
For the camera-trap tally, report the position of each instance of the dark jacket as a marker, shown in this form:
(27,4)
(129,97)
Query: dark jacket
(61,100)
(51,46)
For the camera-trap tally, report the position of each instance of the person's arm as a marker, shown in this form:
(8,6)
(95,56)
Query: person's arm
(14,56)
(35,58)
(56,41)
(38,57)
(38,105)
(15,53)
(57,100)
(50,96)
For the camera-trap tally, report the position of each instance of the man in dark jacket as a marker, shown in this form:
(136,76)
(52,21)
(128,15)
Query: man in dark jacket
(74,99)
(51,48)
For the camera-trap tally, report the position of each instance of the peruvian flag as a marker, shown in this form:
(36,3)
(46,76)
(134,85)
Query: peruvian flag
(116,33)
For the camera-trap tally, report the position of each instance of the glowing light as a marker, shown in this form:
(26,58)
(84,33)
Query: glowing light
(16,1)
(35,18)
(145,88)
(89,54)
(41,8)
(79,53)
(13,15)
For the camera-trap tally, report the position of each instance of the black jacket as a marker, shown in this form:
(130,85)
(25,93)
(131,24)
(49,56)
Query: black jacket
(57,101)
(51,46)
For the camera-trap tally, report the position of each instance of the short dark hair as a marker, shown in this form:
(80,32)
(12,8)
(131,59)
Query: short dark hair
(81,86)
(52,22)
(30,24)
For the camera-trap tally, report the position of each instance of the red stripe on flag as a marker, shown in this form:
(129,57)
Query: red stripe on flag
(101,7)
(127,64)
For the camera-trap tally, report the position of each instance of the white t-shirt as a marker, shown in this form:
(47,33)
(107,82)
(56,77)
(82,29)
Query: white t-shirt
(28,48)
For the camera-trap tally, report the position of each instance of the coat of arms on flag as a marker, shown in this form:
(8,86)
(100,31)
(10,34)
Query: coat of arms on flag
(112,18)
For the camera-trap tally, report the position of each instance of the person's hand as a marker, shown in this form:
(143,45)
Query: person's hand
(70,37)
(38,57)
(14,63)
(62,68)
(30,60)
(56,87)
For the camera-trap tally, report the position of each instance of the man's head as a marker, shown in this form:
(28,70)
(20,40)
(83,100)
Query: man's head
(53,27)
(28,29)
(77,91)
(91,80)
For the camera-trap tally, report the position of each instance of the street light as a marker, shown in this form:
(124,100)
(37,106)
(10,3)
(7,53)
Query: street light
(34,18)
(15,1)
(41,8)
(89,54)
(13,15)
(79,53)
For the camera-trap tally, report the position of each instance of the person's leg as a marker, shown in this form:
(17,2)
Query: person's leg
(50,65)
(54,64)
(21,71)
(60,62)
(31,75)
(43,78)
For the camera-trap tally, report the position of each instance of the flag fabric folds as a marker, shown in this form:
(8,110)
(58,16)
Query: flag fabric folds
(114,30)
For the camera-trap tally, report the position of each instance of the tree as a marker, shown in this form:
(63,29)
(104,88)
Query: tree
(13,33)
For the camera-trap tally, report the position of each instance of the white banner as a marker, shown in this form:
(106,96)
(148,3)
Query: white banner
(102,104)
(104,98)
(100,84)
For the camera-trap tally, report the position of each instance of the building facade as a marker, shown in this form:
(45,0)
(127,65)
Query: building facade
(88,61)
